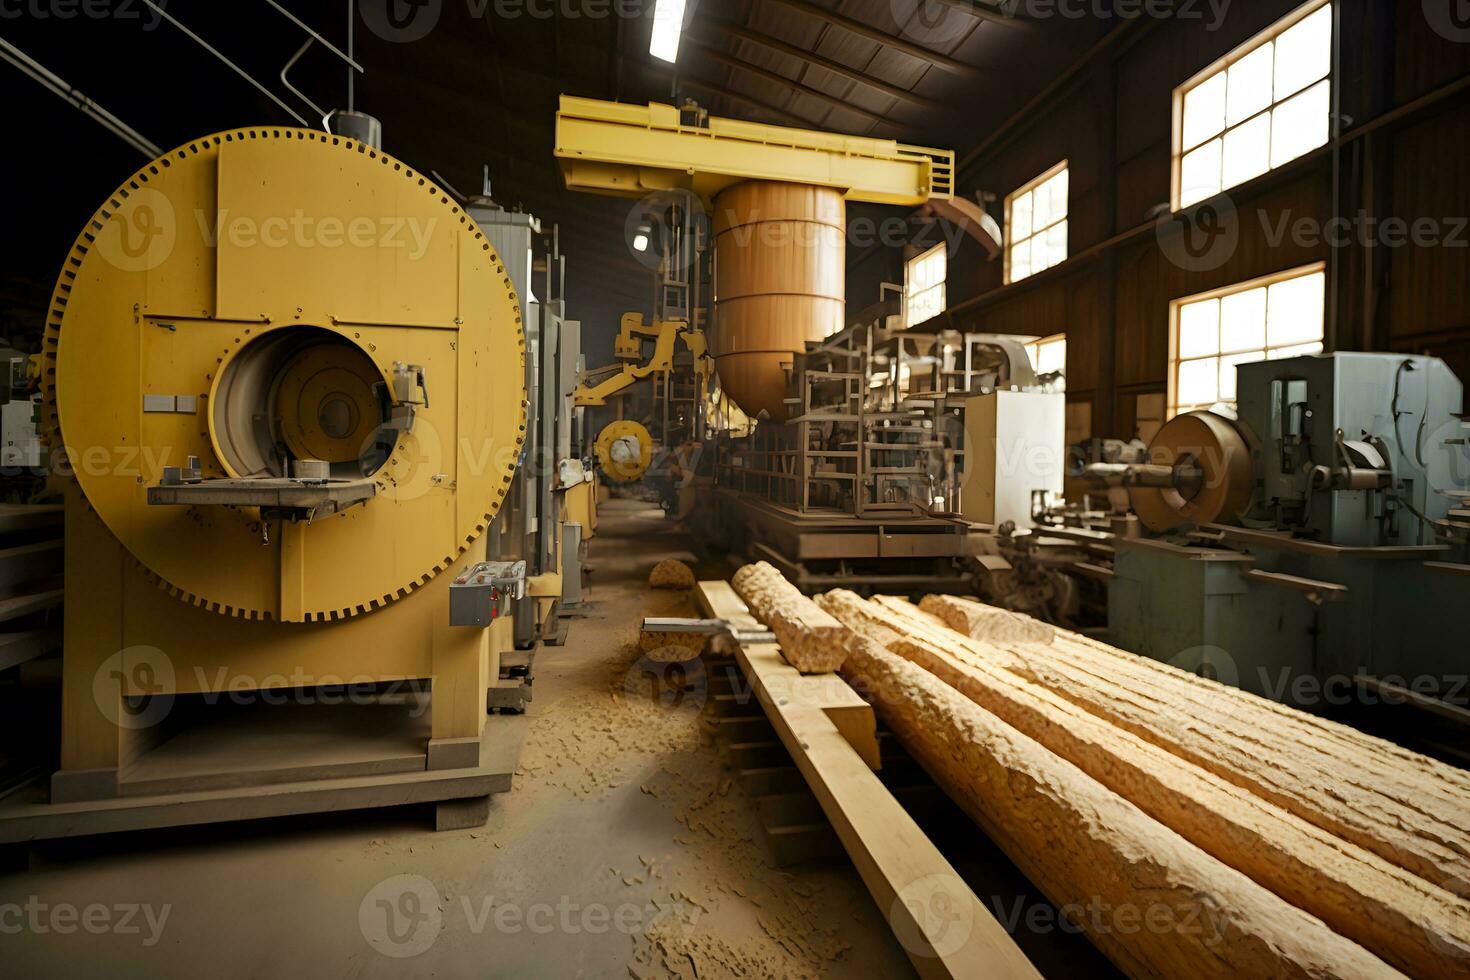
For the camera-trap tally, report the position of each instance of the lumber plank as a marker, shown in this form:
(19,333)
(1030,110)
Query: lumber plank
(1408,809)
(1411,924)
(1153,902)
(810,640)
(848,711)
(900,866)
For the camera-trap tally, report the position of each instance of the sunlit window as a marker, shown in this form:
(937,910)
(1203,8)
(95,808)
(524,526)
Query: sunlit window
(1264,105)
(1049,354)
(923,286)
(1036,225)
(1280,316)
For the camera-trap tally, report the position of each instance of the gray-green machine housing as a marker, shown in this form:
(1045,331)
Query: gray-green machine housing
(1304,418)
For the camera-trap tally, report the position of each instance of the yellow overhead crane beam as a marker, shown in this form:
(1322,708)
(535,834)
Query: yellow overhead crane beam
(630,150)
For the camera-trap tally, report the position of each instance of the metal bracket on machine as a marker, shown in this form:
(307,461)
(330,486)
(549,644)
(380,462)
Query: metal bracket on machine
(400,402)
(710,627)
(484,591)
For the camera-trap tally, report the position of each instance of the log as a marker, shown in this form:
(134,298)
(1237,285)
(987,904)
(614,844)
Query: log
(1411,924)
(1409,810)
(981,622)
(671,574)
(811,640)
(1149,899)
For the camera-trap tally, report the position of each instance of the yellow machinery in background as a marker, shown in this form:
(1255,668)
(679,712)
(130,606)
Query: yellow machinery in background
(624,448)
(288,371)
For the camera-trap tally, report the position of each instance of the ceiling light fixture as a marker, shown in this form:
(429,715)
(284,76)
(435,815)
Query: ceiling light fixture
(668,23)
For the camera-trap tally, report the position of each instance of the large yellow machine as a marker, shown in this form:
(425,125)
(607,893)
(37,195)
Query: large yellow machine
(288,371)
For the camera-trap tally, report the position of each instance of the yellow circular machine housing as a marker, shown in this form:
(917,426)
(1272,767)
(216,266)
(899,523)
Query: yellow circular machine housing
(1218,460)
(624,450)
(247,298)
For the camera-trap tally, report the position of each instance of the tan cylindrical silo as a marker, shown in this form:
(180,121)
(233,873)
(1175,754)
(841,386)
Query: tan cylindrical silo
(780,265)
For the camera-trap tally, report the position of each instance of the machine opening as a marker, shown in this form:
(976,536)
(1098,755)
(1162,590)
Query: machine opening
(301,393)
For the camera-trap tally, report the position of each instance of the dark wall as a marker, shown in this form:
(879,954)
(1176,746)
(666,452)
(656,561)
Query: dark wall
(1405,142)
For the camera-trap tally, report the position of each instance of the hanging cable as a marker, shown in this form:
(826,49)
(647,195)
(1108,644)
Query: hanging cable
(226,61)
(52,81)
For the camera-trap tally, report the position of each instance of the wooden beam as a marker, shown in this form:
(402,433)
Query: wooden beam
(945,928)
(1397,917)
(715,54)
(942,61)
(827,64)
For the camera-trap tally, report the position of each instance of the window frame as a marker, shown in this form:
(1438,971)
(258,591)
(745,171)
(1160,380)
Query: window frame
(942,285)
(1172,407)
(1239,53)
(1033,350)
(1026,188)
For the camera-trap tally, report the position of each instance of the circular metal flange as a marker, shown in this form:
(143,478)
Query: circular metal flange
(349,261)
(624,450)
(1213,466)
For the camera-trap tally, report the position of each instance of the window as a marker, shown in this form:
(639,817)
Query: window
(1279,316)
(923,286)
(1263,105)
(1036,225)
(1049,354)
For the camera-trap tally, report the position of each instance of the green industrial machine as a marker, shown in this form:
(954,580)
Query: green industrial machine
(1313,547)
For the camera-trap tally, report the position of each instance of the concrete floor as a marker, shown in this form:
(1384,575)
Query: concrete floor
(625,849)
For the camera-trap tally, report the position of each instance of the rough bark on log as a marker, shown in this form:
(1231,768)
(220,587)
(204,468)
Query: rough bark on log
(811,640)
(1153,902)
(989,623)
(671,574)
(1410,811)
(1408,922)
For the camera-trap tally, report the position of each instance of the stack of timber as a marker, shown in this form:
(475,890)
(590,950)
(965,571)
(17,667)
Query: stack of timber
(811,640)
(1187,827)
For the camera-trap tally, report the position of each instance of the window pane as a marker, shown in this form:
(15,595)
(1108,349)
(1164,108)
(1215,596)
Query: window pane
(1204,111)
(1227,372)
(1247,151)
(1021,217)
(1056,244)
(1243,321)
(1294,310)
(1199,328)
(1304,53)
(1199,382)
(1199,176)
(1051,356)
(1041,215)
(1248,90)
(1057,191)
(1020,261)
(1038,254)
(1300,124)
